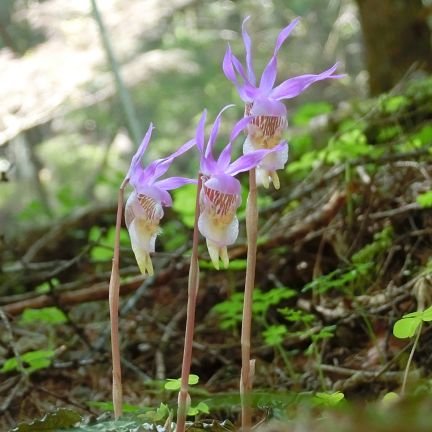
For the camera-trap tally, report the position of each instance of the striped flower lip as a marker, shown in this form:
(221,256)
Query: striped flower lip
(144,207)
(220,193)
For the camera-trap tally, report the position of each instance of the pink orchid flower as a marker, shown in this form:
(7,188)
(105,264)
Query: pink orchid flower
(144,207)
(263,102)
(220,193)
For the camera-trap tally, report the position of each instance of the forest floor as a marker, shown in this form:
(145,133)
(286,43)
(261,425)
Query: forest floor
(344,252)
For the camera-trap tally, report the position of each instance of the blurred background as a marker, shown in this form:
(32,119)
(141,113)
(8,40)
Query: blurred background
(79,86)
(66,138)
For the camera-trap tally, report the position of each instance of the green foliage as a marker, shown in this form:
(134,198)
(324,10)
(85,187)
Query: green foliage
(175,383)
(274,335)
(184,200)
(46,286)
(339,279)
(424,200)
(104,240)
(297,316)
(306,112)
(328,399)
(31,361)
(381,243)
(48,315)
(231,310)
(393,104)
(235,265)
(407,326)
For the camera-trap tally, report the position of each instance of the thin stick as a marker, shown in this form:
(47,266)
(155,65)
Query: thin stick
(114,293)
(408,365)
(125,98)
(251,231)
(193,285)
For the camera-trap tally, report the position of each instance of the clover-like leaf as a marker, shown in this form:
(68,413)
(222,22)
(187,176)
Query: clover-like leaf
(407,326)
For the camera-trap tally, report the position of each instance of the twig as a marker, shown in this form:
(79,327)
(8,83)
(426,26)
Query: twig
(126,101)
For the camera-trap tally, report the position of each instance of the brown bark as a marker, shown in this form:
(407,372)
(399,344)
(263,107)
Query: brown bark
(396,37)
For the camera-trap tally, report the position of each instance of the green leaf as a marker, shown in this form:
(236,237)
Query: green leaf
(275,334)
(424,200)
(427,314)
(406,327)
(390,397)
(172,384)
(328,399)
(184,204)
(308,111)
(52,422)
(32,361)
(48,315)
(202,407)
(175,383)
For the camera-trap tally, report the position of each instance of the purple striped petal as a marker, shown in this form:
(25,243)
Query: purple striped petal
(248,48)
(294,86)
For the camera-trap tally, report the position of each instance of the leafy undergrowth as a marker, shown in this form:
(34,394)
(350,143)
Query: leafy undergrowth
(343,255)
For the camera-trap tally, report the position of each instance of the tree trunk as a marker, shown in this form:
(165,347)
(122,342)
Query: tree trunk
(396,37)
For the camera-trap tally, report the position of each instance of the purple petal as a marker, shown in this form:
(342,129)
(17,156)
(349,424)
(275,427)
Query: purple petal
(294,86)
(248,48)
(268,77)
(199,135)
(239,127)
(283,35)
(225,157)
(239,68)
(214,132)
(250,160)
(152,191)
(173,183)
(160,166)
(227,66)
(136,159)
(208,166)
(224,183)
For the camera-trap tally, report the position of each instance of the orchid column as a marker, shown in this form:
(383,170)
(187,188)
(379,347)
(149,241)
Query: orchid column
(264,131)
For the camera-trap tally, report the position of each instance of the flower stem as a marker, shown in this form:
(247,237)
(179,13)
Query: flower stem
(114,293)
(246,372)
(193,285)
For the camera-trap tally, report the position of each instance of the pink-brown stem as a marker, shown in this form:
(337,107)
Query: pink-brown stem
(114,294)
(193,285)
(246,371)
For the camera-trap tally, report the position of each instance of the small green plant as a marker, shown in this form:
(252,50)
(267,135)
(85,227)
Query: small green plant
(29,362)
(408,326)
(174,384)
(328,399)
